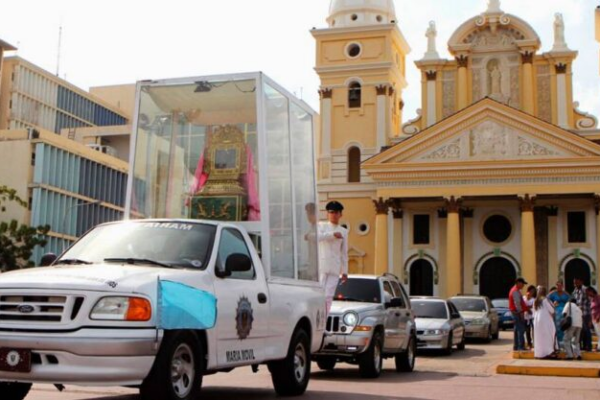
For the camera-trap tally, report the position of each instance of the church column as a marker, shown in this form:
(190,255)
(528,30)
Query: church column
(468,263)
(528,259)
(463,87)
(398,244)
(561,96)
(381,116)
(431,98)
(325,158)
(597,206)
(381,236)
(528,98)
(552,245)
(453,251)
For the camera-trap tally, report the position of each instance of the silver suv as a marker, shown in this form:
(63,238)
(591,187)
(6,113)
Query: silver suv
(370,319)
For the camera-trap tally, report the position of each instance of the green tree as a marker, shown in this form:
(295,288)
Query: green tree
(17,240)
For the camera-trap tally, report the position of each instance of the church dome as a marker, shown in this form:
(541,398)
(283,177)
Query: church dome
(348,13)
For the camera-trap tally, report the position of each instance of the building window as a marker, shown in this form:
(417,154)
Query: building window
(421,229)
(497,229)
(354,165)
(353,50)
(354,95)
(576,227)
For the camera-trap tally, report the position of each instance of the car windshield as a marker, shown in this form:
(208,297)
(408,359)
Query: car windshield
(172,244)
(358,289)
(429,309)
(500,303)
(469,305)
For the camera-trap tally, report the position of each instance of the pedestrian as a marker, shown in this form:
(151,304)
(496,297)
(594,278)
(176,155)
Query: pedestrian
(572,333)
(517,307)
(559,299)
(333,251)
(583,302)
(595,306)
(544,331)
(529,299)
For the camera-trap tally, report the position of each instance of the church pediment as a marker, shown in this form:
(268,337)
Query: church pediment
(488,132)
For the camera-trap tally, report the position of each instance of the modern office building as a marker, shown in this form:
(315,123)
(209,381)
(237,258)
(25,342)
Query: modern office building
(67,185)
(3,48)
(31,97)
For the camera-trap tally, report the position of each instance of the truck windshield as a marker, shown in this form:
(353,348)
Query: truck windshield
(175,244)
(429,309)
(359,289)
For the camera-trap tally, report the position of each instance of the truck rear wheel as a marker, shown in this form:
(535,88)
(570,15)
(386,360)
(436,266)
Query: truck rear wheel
(290,376)
(14,390)
(405,362)
(370,362)
(177,370)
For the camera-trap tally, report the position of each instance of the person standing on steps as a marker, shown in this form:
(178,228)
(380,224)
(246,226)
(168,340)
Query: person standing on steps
(333,251)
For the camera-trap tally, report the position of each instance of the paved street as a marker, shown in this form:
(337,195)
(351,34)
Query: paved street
(464,375)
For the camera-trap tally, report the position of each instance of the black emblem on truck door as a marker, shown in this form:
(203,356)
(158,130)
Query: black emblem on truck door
(244,317)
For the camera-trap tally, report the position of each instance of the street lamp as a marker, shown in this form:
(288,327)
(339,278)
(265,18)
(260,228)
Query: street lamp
(67,214)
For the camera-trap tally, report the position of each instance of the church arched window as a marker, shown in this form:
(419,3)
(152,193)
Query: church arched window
(353,165)
(354,95)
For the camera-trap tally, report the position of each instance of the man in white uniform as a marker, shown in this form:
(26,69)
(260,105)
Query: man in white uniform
(333,251)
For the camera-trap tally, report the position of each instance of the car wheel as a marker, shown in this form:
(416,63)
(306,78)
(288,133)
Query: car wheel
(290,376)
(405,362)
(14,390)
(489,337)
(326,363)
(177,370)
(448,349)
(370,362)
(496,335)
(462,344)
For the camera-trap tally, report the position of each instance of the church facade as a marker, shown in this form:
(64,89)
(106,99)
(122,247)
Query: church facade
(497,177)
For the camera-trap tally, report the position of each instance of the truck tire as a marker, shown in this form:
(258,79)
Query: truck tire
(177,370)
(327,363)
(370,363)
(448,349)
(14,390)
(290,376)
(405,362)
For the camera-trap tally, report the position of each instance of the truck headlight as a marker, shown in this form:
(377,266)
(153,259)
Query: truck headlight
(122,309)
(350,319)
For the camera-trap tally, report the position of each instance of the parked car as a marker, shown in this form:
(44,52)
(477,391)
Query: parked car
(439,324)
(481,321)
(370,319)
(505,319)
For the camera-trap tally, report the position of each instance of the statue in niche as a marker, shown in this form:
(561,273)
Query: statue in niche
(496,81)
(506,40)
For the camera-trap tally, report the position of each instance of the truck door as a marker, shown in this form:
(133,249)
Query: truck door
(404,315)
(393,331)
(242,306)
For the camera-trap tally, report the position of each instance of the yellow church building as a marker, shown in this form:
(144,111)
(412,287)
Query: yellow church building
(498,176)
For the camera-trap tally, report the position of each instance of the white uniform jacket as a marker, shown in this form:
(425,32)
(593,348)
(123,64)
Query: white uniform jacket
(333,252)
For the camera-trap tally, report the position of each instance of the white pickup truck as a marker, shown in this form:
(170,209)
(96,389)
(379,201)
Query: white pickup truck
(93,317)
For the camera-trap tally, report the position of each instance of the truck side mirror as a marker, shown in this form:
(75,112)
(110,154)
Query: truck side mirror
(238,262)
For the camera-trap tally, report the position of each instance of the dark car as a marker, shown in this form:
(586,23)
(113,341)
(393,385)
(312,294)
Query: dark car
(505,320)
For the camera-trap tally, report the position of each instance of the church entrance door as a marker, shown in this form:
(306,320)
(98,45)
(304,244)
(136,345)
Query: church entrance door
(421,278)
(577,268)
(496,277)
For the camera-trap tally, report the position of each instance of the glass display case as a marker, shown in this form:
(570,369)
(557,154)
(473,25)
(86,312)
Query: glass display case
(235,148)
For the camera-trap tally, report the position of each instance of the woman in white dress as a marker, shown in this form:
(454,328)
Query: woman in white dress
(544,331)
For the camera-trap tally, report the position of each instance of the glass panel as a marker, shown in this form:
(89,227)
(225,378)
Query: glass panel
(430,309)
(280,184)
(197,154)
(358,289)
(304,193)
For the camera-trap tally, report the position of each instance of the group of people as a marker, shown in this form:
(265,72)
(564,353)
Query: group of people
(555,321)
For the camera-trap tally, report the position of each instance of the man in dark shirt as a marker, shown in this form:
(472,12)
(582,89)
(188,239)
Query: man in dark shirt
(583,302)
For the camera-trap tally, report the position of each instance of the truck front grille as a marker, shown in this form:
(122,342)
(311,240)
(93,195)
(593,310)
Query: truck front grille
(333,324)
(39,309)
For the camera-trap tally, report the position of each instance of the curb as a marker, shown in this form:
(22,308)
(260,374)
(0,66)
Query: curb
(582,372)
(528,355)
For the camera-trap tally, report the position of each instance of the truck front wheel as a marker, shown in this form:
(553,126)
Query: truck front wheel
(290,376)
(177,370)
(14,390)
(370,362)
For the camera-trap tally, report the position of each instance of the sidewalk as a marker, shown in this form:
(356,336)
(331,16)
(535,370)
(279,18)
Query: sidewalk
(524,363)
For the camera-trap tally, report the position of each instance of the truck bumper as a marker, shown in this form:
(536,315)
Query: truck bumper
(345,345)
(88,357)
